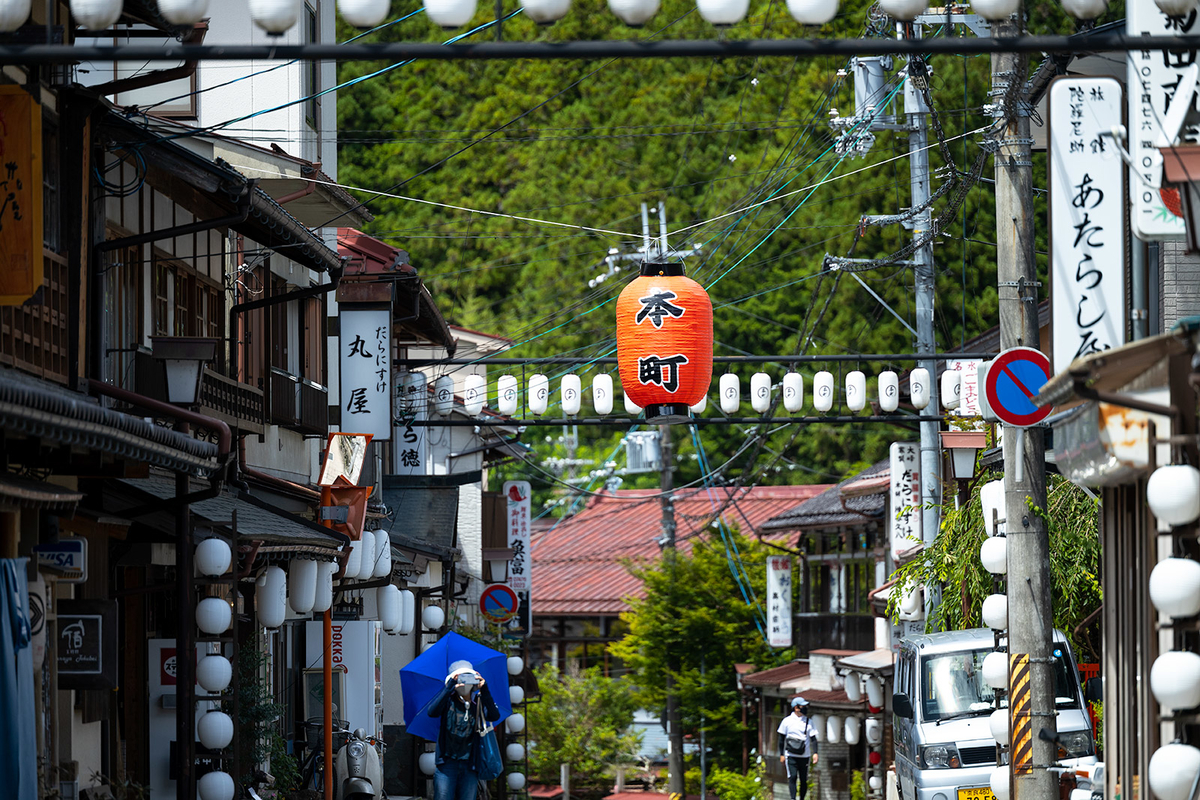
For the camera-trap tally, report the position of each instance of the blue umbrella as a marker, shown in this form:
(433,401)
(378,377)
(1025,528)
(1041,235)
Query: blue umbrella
(423,677)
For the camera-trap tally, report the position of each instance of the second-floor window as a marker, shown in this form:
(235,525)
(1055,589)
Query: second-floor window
(184,303)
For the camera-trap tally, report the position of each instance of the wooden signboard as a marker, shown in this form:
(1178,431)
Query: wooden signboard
(20,196)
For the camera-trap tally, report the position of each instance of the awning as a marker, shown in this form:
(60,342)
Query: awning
(33,407)
(875,662)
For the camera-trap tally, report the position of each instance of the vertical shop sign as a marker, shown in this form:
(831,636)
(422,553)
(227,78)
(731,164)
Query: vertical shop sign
(364,350)
(20,195)
(779,601)
(904,515)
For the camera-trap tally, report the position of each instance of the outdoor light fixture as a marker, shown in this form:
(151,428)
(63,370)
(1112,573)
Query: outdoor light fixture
(450,14)
(495,561)
(856,390)
(812,12)
(991,498)
(302,585)
(515,665)
(874,730)
(995,10)
(213,615)
(363,13)
(183,12)
(853,686)
(538,394)
(515,723)
(516,695)
(474,394)
(1172,772)
(912,604)
(354,560)
(951,388)
(506,395)
(428,762)
(515,752)
(183,359)
(433,618)
(383,554)
(852,729)
(634,13)
(545,12)
(271,597)
(903,10)
(1176,8)
(999,783)
(408,608)
(96,15)
(875,782)
(213,673)
(874,693)
(13,14)
(818,722)
(723,13)
(998,725)
(1173,493)
(366,558)
(1084,9)
(964,447)
(215,786)
(570,391)
(995,612)
(1175,587)
(602,393)
(889,391)
(1175,680)
(823,391)
(275,16)
(918,384)
(730,389)
(995,670)
(387,598)
(215,729)
(760,392)
(213,557)
(793,392)
(994,555)
(516,781)
(323,598)
(833,729)
(631,408)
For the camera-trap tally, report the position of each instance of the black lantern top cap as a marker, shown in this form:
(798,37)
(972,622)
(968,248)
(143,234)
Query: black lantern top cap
(652,269)
(184,348)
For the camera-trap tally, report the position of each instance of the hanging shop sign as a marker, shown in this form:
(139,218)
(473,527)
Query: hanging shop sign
(904,488)
(1087,219)
(520,577)
(87,644)
(364,360)
(66,559)
(20,195)
(779,601)
(412,405)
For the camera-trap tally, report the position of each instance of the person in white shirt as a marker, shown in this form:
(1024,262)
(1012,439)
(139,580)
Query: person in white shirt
(797,742)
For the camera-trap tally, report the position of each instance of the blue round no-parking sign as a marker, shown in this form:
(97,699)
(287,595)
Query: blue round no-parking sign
(1013,380)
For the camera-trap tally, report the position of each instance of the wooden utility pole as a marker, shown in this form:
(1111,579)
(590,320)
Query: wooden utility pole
(675,771)
(1030,628)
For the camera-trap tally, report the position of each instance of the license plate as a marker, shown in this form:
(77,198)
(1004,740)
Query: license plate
(982,793)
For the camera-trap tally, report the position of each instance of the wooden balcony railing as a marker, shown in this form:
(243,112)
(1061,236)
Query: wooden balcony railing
(298,403)
(238,405)
(285,400)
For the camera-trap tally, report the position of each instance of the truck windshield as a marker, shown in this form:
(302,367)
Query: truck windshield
(953,685)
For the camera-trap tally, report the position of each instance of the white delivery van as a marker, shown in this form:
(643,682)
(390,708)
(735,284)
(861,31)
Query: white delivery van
(944,747)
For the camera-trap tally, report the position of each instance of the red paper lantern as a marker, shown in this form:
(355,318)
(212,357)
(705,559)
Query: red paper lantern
(664,342)
(875,757)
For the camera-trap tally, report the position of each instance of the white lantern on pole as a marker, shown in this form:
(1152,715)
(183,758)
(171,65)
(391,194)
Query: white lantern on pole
(856,391)
(731,393)
(874,692)
(991,499)
(433,617)
(1172,772)
(812,12)
(998,725)
(1175,587)
(507,395)
(853,728)
(1173,493)
(698,407)
(443,395)
(889,391)
(995,10)
(213,557)
(545,12)
(993,553)
(387,599)
(408,610)
(631,408)
(516,695)
(182,12)
(363,13)
(539,394)
(450,14)
(271,597)
(853,685)
(874,730)
(995,612)
(213,673)
(995,670)
(323,598)
(999,783)
(428,763)
(571,389)
(215,786)
(354,560)
(516,781)
(1175,680)
(474,394)
(1176,8)
(760,392)
(515,723)
(823,391)
(918,387)
(634,13)
(903,10)
(951,388)
(1085,9)
(818,723)
(215,730)
(875,782)
(13,14)
(302,585)
(602,393)
(833,730)
(383,554)
(96,15)
(366,564)
(793,392)
(515,752)
(276,17)
(723,13)
(514,665)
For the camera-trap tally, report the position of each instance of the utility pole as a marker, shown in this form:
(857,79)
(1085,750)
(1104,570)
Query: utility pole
(675,772)
(1030,623)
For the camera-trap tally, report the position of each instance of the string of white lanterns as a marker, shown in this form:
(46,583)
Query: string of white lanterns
(993,554)
(213,558)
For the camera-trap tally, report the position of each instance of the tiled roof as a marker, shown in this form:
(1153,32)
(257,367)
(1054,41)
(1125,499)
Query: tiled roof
(777,675)
(578,565)
(827,510)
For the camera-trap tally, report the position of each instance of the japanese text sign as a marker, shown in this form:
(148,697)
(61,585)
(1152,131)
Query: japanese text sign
(904,491)
(364,359)
(412,403)
(517,514)
(779,601)
(1087,220)
(20,195)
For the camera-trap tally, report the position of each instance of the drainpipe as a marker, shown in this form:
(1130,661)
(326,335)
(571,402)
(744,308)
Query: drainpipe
(224,435)
(309,494)
(185,70)
(1138,312)
(308,189)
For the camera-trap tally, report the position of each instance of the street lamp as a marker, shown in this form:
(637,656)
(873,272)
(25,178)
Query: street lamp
(183,359)
(495,560)
(964,446)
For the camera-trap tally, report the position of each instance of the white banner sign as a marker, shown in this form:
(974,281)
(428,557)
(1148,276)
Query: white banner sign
(516,494)
(1087,220)
(412,404)
(904,516)
(1153,78)
(968,369)
(364,358)
(779,601)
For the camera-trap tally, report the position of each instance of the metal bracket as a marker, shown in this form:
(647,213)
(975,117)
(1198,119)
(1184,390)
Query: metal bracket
(1021,283)
(337,514)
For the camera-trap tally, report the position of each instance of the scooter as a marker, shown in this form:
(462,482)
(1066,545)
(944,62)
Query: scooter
(359,769)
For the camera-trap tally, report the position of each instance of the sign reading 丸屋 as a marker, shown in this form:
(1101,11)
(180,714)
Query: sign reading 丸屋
(904,517)
(364,360)
(779,601)
(1087,220)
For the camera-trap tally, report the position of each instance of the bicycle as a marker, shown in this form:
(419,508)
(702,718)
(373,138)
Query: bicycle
(312,766)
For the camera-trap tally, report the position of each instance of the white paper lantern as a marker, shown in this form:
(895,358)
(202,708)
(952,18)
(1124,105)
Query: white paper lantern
(995,612)
(723,13)
(889,391)
(516,695)
(323,597)
(631,408)
(215,730)
(951,388)
(213,557)
(698,407)
(215,786)
(507,395)
(903,10)
(96,15)
(408,607)
(271,597)
(1176,8)
(383,554)
(731,393)
(366,563)
(213,615)
(823,391)
(856,391)
(602,393)
(818,723)
(214,673)
(428,763)
(912,604)
(874,692)
(995,10)
(412,397)
(387,600)
(634,13)
(571,389)
(812,12)
(364,13)
(1175,680)
(1173,769)
(995,670)
(544,12)
(443,395)
(182,12)
(13,14)
(875,782)
(433,617)
(833,730)
(918,387)
(302,585)
(1085,9)
(515,723)
(539,394)
(1175,587)
(852,730)
(793,392)
(515,665)
(994,554)
(998,725)
(874,730)
(354,560)
(450,13)
(474,394)
(853,687)
(999,783)
(516,781)
(515,752)
(760,392)
(1173,493)
(275,17)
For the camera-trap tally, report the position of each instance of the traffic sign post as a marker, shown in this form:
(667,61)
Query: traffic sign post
(1013,379)
(499,603)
